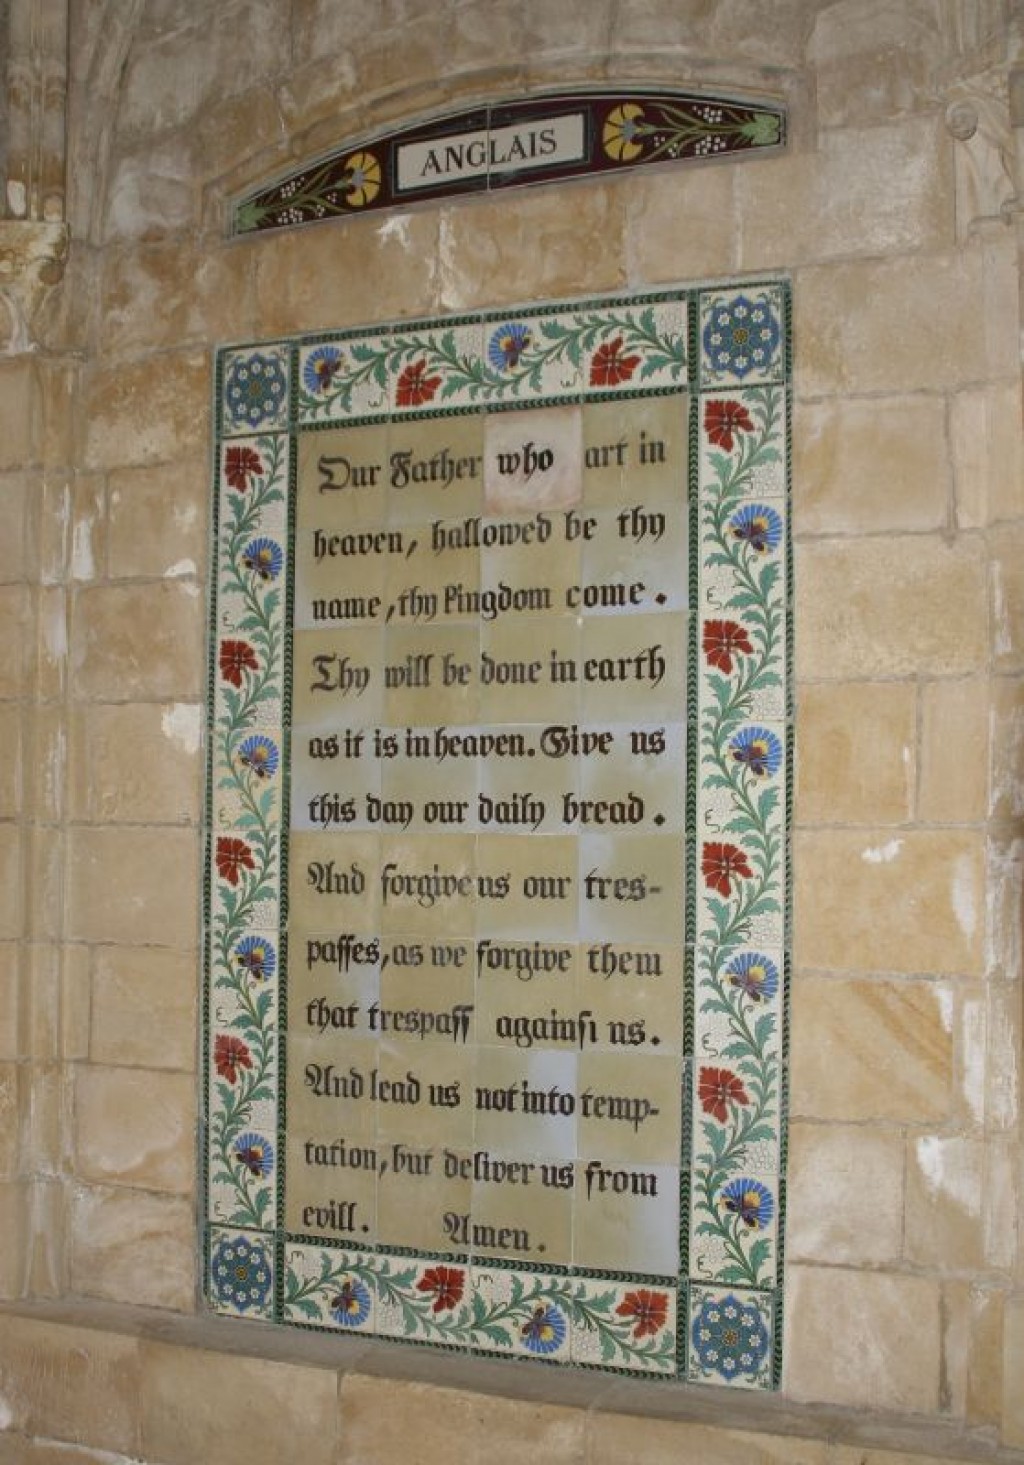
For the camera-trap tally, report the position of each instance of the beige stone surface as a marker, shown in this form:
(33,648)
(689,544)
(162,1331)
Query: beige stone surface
(1008,599)
(869,1339)
(882,900)
(870,465)
(13,1206)
(985,1356)
(75,1002)
(488,257)
(945,1189)
(1007,748)
(399,253)
(20,414)
(134,1128)
(71,1384)
(136,763)
(871,1050)
(17,494)
(171,295)
(913,605)
(16,616)
(134,417)
(954,752)
(10,1136)
(922,325)
(133,886)
(680,225)
(12,915)
(614,1438)
(376,1426)
(988,467)
(242,1411)
(10,960)
(138,641)
(12,769)
(133,1246)
(834,194)
(1012,1431)
(143,1011)
(843,777)
(860,1170)
(159,520)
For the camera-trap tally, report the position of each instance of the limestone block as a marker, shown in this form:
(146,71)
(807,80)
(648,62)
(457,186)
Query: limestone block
(985,1356)
(874,326)
(75,1002)
(13,1203)
(74,1384)
(765,34)
(238,1411)
(138,641)
(898,606)
(988,454)
(1007,748)
(143,1008)
(52,642)
(1008,599)
(881,901)
(12,913)
(136,763)
(10,960)
(137,887)
(153,416)
(20,414)
(870,466)
(18,492)
(490,254)
(244,126)
(10,1121)
(828,204)
(871,1051)
(860,1170)
(158,520)
(45,791)
(44,884)
(397,253)
(617,1437)
(16,615)
(133,1127)
(945,1177)
(12,769)
(1001,1194)
(876,60)
(868,1339)
(130,1246)
(167,295)
(857,1455)
(1012,1432)
(168,78)
(376,1423)
(680,225)
(1005,959)
(58,390)
(152,192)
(842,777)
(954,752)
(1002,1071)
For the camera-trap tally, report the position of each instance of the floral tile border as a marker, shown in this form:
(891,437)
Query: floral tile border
(728,346)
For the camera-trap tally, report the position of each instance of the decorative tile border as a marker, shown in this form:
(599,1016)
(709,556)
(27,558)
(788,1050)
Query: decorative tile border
(727,1297)
(542,139)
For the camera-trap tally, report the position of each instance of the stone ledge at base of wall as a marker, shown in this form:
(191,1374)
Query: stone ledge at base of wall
(86,1383)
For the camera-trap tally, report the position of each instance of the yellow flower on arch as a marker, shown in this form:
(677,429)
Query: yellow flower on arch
(363,179)
(620,130)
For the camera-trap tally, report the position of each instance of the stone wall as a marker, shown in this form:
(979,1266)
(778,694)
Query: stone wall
(896,209)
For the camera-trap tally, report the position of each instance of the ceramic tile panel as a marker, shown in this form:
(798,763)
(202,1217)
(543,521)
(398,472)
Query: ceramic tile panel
(498,800)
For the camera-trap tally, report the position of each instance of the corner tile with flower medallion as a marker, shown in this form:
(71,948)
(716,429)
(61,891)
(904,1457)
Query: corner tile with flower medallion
(240,1272)
(730,1337)
(742,335)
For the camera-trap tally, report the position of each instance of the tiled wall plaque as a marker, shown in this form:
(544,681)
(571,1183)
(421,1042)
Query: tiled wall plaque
(496,886)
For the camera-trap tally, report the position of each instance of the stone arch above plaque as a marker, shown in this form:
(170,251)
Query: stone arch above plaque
(496,879)
(543,138)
